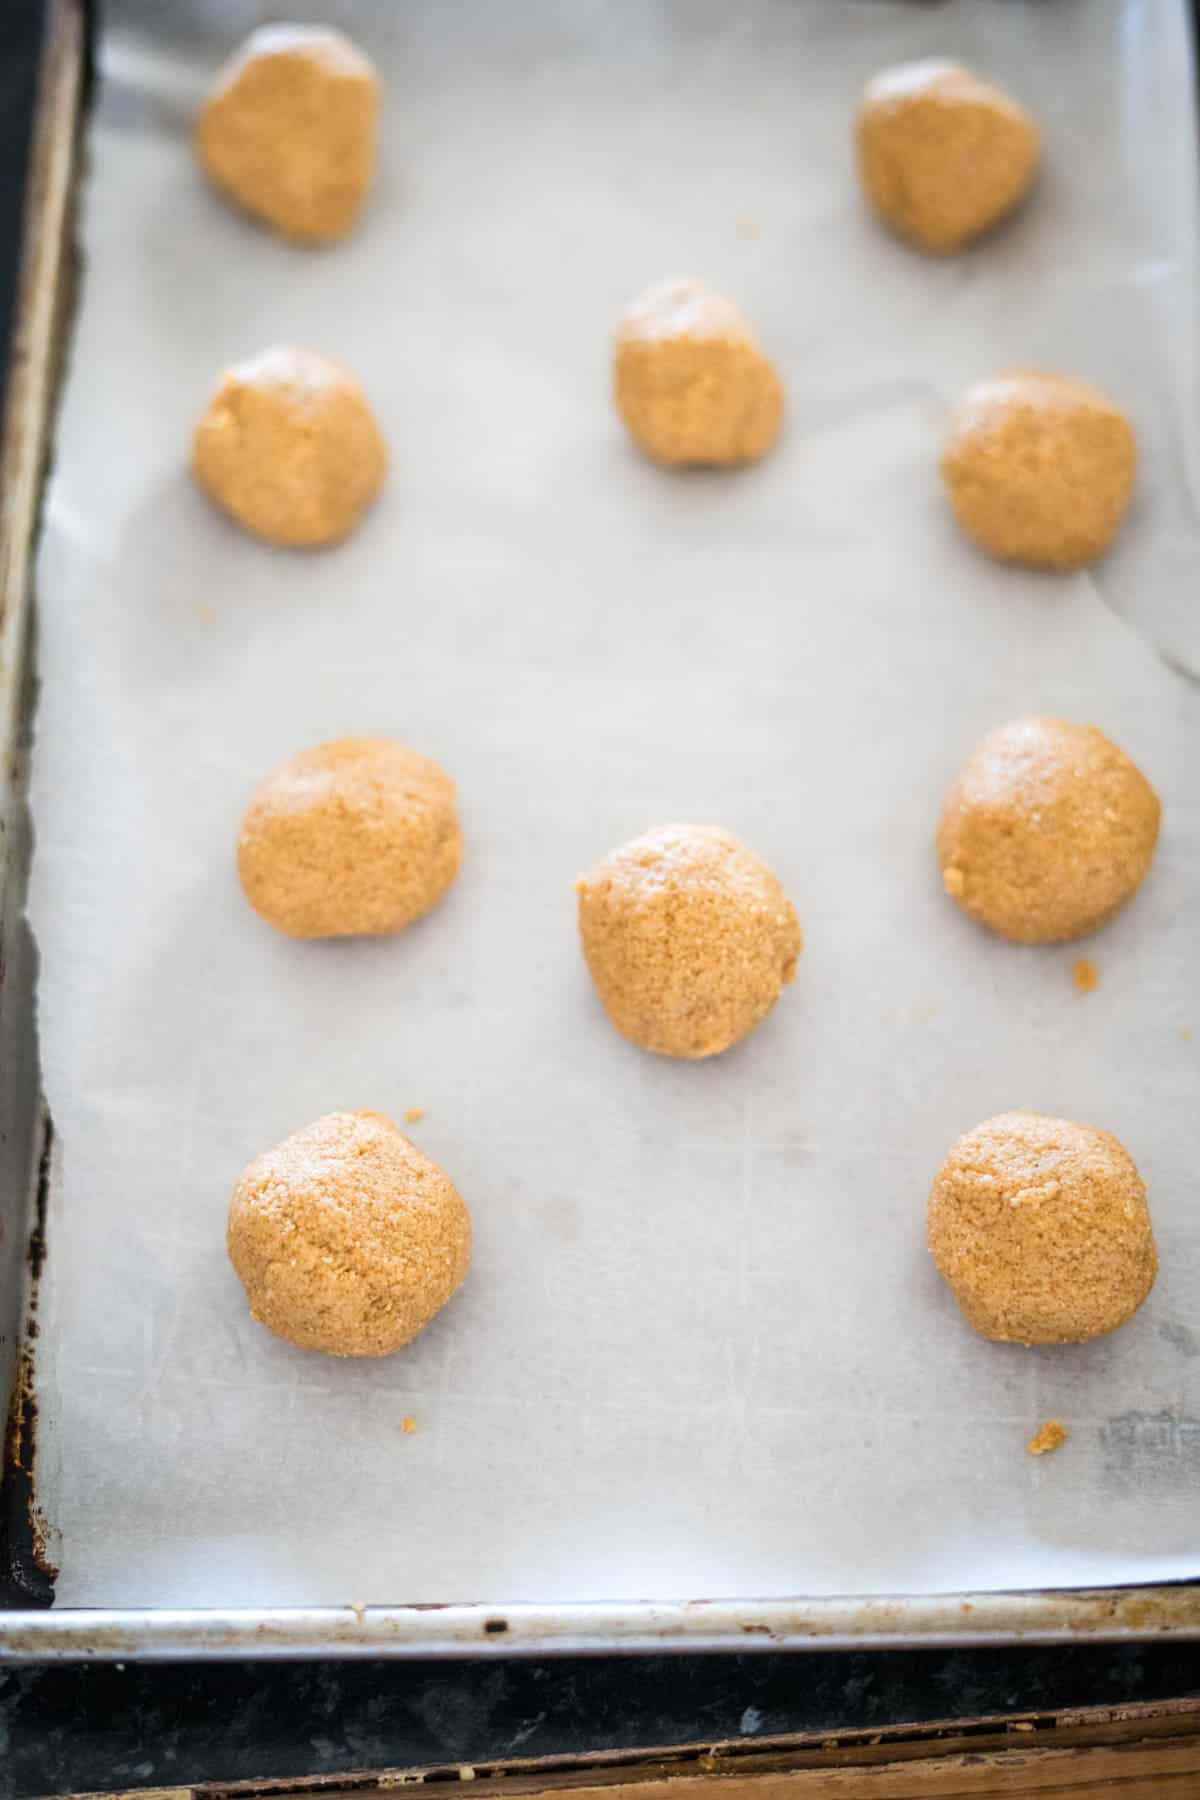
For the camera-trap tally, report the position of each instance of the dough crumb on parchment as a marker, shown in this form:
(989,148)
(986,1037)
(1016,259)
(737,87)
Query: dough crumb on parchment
(1050,1435)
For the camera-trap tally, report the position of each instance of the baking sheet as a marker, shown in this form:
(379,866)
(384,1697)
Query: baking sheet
(701,1350)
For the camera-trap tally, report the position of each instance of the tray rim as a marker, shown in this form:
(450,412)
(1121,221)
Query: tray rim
(948,1621)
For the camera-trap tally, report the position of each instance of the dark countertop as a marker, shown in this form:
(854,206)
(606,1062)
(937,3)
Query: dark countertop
(69,1728)
(110,1727)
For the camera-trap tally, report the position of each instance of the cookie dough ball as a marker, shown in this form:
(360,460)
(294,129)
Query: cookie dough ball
(346,1238)
(288,132)
(288,447)
(1041,1229)
(1047,832)
(1039,469)
(690,380)
(689,938)
(942,155)
(354,838)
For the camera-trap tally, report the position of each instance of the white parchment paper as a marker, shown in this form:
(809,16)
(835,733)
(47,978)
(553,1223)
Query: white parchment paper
(702,1350)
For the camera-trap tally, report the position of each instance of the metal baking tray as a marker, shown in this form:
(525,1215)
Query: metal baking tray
(32,1628)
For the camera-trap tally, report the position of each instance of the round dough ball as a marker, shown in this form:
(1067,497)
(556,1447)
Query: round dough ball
(689,938)
(942,155)
(1039,469)
(1047,832)
(288,132)
(353,838)
(346,1237)
(690,380)
(1041,1229)
(288,447)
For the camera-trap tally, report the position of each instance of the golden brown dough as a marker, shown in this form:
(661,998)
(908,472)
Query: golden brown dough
(1047,832)
(289,448)
(1050,1436)
(351,838)
(1039,469)
(346,1237)
(689,938)
(691,381)
(288,131)
(1041,1228)
(942,155)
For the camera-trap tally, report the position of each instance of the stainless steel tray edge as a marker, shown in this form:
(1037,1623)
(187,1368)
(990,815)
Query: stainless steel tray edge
(354,1631)
(35,357)
(945,1621)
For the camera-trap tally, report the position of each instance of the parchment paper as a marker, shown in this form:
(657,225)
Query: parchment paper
(702,1350)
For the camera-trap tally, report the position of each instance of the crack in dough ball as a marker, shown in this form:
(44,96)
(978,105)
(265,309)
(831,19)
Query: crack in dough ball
(289,448)
(1039,469)
(353,838)
(691,381)
(346,1238)
(288,132)
(942,155)
(689,938)
(1047,832)
(1041,1228)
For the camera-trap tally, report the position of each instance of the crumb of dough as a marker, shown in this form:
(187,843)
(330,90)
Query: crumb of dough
(408,1424)
(1041,1229)
(290,449)
(1049,1436)
(1085,975)
(689,938)
(414,1114)
(359,1608)
(691,381)
(1039,468)
(942,155)
(288,131)
(1048,831)
(346,1237)
(354,838)
(1185,1032)
(748,228)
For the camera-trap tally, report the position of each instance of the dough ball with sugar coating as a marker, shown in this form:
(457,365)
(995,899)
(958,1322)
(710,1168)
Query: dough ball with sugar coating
(353,838)
(1039,469)
(689,938)
(288,131)
(346,1237)
(289,448)
(1041,1228)
(1047,832)
(942,155)
(691,381)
